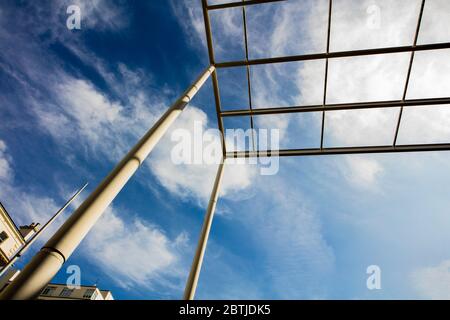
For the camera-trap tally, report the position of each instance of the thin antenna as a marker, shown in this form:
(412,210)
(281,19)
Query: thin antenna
(36,235)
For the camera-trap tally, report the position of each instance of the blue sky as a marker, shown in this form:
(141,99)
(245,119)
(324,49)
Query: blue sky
(73,102)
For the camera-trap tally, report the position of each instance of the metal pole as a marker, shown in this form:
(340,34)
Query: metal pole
(45,264)
(36,235)
(192,281)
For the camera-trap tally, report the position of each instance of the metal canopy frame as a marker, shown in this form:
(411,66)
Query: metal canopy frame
(192,280)
(46,263)
(324,107)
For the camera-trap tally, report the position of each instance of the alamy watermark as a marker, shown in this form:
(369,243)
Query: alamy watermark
(374,280)
(74,278)
(73,22)
(373,21)
(201,146)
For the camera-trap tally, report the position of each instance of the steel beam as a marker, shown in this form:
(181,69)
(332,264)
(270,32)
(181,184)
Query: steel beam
(341,150)
(408,75)
(325,85)
(215,81)
(249,85)
(47,262)
(239,4)
(337,107)
(334,55)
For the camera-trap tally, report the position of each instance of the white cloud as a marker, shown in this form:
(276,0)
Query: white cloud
(86,114)
(425,125)
(5,167)
(433,282)
(360,127)
(26,207)
(227,34)
(286,28)
(362,171)
(135,252)
(434,27)
(290,231)
(360,24)
(430,75)
(190,17)
(196,180)
(106,127)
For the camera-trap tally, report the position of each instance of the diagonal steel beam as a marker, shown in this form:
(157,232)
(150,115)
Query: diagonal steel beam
(330,9)
(408,76)
(249,85)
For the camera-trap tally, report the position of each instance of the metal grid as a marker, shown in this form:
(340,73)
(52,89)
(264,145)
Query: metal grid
(324,107)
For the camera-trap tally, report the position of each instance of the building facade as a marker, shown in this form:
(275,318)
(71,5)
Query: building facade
(12,238)
(63,292)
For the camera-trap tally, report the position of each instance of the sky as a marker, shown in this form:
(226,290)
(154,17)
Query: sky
(73,102)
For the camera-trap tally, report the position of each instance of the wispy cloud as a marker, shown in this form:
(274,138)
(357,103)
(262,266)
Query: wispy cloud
(433,282)
(5,167)
(362,172)
(194,180)
(190,17)
(284,231)
(134,252)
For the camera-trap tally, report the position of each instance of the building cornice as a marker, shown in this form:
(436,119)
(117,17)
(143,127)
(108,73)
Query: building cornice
(10,221)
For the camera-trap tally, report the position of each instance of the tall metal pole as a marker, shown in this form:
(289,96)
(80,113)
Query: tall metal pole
(45,264)
(40,231)
(192,281)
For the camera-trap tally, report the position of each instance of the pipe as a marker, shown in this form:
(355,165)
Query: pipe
(194,274)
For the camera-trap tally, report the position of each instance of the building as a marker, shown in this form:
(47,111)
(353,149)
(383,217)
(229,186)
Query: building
(12,238)
(55,291)
(62,292)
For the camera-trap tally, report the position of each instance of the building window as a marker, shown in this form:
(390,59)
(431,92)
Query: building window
(90,294)
(66,292)
(48,291)
(3,236)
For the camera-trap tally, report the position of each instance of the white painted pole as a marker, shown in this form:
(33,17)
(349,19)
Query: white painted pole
(191,285)
(47,262)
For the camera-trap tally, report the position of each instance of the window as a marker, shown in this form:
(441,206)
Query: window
(3,236)
(66,292)
(90,294)
(48,291)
